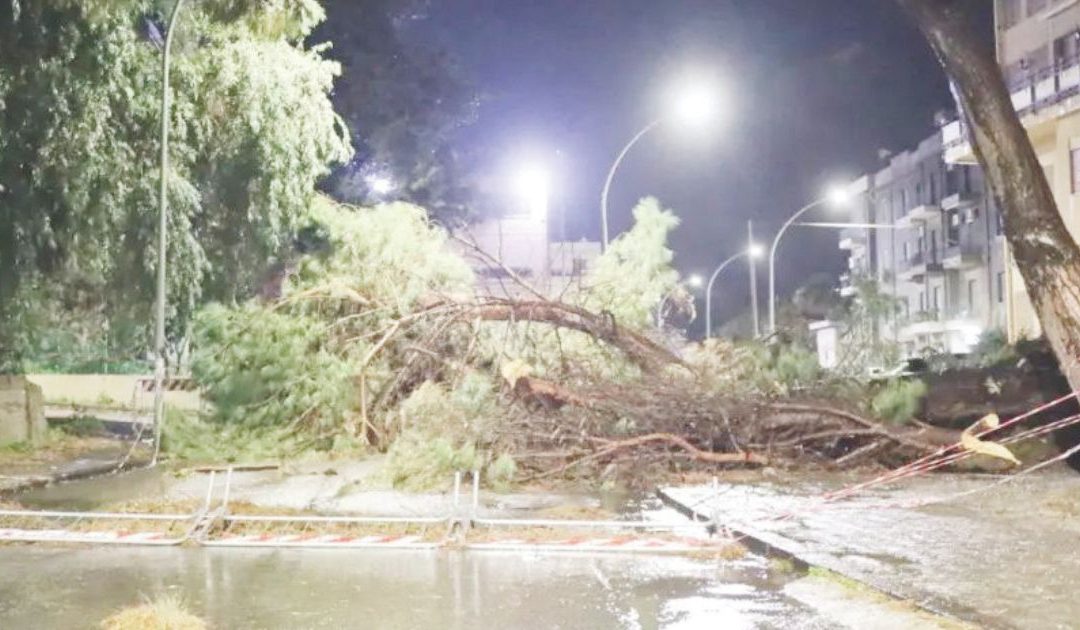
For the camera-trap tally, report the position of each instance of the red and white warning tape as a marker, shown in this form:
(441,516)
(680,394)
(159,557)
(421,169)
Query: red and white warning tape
(617,543)
(320,540)
(106,537)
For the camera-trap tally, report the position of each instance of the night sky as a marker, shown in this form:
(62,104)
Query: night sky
(813,89)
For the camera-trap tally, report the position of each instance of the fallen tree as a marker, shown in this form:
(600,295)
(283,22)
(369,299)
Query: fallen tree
(381,342)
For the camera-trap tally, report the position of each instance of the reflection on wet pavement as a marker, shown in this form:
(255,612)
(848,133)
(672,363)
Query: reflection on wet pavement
(70,588)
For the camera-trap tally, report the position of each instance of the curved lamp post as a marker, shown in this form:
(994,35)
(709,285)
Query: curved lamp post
(753,251)
(693,104)
(837,196)
(163,216)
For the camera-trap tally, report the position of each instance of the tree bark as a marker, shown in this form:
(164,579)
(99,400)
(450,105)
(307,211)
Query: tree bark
(1045,252)
(646,353)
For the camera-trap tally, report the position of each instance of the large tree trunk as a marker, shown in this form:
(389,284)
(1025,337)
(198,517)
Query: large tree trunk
(1045,252)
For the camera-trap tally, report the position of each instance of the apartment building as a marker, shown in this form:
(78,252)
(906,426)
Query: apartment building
(1038,48)
(935,245)
(519,244)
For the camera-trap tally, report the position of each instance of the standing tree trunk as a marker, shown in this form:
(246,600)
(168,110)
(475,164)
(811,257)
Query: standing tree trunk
(1045,252)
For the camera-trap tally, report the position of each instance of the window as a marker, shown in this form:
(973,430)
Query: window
(1001,287)
(1067,48)
(954,218)
(933,241)
(579,266)
(922,302)
(907,251)
(972,214)
(937,298)
(971,296)
(1074,170)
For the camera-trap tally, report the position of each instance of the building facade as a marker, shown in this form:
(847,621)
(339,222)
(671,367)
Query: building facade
(1038,48)
(930,237)
(519,244)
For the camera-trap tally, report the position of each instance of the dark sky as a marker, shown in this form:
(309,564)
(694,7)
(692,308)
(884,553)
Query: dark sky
(813,89)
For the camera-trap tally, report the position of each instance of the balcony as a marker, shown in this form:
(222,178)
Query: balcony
(920,214)
(1052,90)
(920,265)
(958,201)
(958,257)
(851,238)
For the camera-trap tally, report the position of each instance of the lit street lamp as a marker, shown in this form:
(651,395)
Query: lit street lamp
(837,196)
(753,251)
(693,105)
(532,184)
(380,184)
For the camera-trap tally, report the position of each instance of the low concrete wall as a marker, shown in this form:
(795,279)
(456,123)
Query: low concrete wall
(116,391)
(22,411)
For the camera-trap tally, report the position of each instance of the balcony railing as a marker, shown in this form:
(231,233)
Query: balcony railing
(920,264)
(1029,95)
(962,256)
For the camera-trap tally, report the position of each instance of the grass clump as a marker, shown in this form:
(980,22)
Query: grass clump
(163,613)
(898,401)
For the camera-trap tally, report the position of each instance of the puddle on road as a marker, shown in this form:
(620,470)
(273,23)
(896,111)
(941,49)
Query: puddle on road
(241,588)
(91,494)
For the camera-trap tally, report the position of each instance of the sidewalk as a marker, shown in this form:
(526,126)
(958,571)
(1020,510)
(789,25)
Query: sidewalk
(1004,557)
(76,458)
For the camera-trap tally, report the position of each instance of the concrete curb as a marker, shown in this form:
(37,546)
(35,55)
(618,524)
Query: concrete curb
(942,607)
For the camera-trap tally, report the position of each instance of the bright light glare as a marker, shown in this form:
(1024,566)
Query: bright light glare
(755,250)
(380,184)
(838,195)
(694,104)
(532,185)
(695,281)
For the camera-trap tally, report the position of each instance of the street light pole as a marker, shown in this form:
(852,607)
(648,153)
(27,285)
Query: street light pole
(708,289)
(611,175)
(754,311)
(772,258)
(163,210)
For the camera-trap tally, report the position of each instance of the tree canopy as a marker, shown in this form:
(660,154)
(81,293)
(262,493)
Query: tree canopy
(253,132)
(403,102)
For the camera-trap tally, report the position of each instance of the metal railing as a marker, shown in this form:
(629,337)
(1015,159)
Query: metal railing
(212,525)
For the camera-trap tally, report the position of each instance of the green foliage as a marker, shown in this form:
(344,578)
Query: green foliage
(298,363)
(632,277)
(262,368)
(755,368)
(189,438)
(898,401)
(993,349)
(253,130)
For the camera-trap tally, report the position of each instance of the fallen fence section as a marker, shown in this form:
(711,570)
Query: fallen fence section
(212,525)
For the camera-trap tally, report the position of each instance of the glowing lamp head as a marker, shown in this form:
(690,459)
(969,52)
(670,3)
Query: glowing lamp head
(838,196)
(755,250)
(693,104)
(380,184)
(695,281)
(532,185)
